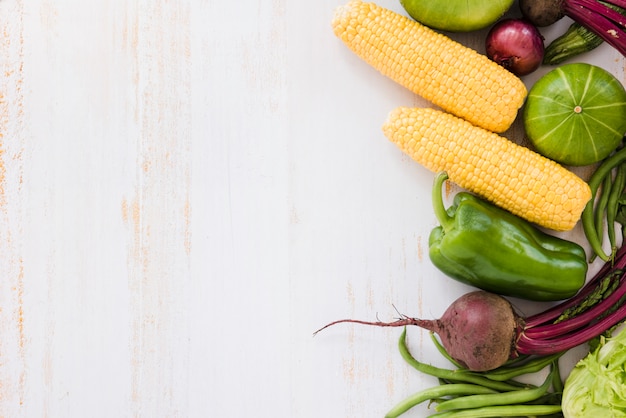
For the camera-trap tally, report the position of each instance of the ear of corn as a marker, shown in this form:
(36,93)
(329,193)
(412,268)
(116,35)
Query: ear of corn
(511,176)
(448,74)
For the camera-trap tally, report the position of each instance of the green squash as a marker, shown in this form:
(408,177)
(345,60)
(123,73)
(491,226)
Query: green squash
(576,114)
(456,15)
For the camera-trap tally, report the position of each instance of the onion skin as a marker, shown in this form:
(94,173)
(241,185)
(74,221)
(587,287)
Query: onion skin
(515,44)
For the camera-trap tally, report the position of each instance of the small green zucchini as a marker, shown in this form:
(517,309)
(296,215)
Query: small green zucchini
(575,41)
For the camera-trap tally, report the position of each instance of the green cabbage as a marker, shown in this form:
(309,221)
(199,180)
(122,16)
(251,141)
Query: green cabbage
(596,387)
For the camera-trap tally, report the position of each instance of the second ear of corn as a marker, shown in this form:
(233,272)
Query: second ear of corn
(512,176)
(445,72)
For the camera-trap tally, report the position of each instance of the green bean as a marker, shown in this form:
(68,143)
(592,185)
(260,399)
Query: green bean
(587,217)
(515,362)
(508,398)
(531,366)
(443,351)
(508,365)
(613,203)
(501,411)
(620,217)
(600,207)
(435,393)
(452,375)
(445,381)
(550,398)
(557,382)
(510,384)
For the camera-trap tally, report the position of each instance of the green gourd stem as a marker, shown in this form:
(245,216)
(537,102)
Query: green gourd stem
(587,217)
(441,213)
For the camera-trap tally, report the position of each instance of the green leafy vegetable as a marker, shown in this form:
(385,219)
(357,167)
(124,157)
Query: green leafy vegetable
(596,387)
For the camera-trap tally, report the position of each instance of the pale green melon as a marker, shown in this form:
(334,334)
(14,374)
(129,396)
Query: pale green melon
(456,15)
(576,114)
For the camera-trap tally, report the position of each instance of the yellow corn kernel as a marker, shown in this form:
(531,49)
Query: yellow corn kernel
(431,65)
(510,175)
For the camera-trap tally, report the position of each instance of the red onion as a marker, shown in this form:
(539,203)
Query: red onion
(516,44)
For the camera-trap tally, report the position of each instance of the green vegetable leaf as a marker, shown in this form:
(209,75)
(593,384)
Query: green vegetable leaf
(596,387)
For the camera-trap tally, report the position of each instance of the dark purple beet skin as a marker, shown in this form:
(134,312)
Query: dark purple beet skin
(478,330)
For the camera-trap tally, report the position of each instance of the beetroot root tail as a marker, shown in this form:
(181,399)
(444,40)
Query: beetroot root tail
(430,325)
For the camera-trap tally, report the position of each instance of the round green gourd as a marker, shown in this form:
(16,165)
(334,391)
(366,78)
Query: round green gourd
(456,15)
(576,114)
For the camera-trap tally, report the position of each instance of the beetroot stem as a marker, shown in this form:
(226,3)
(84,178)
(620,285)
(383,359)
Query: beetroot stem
(604,11)
(550,331)
(527,345)
(618,3)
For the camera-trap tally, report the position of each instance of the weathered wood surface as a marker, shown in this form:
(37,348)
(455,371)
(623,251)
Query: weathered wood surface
(188,189)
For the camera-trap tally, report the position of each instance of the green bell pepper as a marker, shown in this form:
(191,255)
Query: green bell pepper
(487,247)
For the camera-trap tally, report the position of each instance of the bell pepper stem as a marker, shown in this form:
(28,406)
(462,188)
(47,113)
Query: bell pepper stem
(437,198)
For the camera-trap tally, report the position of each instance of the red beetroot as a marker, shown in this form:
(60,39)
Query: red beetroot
(478,329)
(482,331)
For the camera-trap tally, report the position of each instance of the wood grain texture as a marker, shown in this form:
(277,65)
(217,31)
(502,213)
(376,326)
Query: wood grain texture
(190,188)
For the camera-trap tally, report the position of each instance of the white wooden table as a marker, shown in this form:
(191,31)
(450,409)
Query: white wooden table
(188,189)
